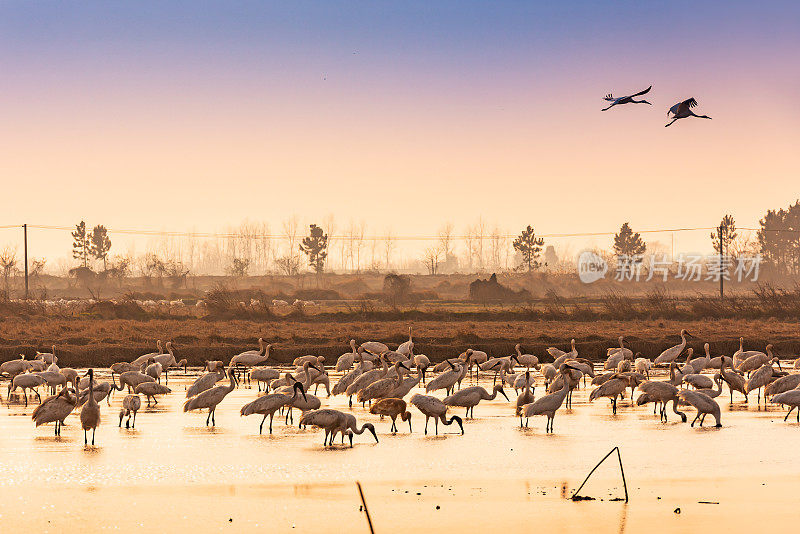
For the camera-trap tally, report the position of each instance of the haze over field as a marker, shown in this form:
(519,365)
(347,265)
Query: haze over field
(181,116)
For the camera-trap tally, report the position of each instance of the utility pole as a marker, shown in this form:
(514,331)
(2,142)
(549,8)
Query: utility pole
(721,274)
(25,233)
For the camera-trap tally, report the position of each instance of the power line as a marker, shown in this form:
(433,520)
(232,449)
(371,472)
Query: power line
(237,235)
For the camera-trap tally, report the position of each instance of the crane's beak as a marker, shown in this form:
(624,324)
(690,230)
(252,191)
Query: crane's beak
(299,386)
(504,393)
(460,424)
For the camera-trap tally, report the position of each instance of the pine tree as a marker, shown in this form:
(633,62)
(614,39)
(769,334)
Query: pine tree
(627,243)
(530,247)
(100,244)
(315,247)
(728,233)
(81,244)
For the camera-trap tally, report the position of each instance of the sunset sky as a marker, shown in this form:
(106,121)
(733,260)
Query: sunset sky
(197,115)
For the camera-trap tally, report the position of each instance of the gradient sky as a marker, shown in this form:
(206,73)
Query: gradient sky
(197,115)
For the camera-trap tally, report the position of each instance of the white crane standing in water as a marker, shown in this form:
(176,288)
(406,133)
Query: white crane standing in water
(432,407)
(669,355)
(549,404)
(210,398)
(682,110)
(626,99)
(90,412)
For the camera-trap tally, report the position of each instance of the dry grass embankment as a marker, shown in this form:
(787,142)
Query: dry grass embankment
(83,342)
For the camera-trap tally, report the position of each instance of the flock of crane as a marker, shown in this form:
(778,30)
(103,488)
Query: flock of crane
(375,374)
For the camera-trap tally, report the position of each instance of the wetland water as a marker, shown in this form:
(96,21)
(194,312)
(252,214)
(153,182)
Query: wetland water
(172,472)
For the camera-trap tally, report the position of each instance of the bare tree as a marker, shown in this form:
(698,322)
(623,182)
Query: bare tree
(288,265)
(388,247)
(355,242)
(362,229)
(8,261)
(329,222)
(496,242)
(469,245)
(290,231)
(446,239)
(431,259)
(480,234)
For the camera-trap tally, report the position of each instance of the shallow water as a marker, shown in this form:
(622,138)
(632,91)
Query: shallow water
(174,472)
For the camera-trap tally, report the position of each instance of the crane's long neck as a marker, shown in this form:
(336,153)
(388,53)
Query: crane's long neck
(361,430)
(486,396)
(121,387)
(90,400)
(564,388)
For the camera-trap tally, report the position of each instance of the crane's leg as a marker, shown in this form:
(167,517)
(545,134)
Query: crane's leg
(437,425)
(696,417)
(673,120)
(426,424)
(208,416)
(155,400)
(214,417)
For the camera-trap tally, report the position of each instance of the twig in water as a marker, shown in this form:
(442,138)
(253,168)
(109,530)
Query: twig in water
(624,484)
(366,512)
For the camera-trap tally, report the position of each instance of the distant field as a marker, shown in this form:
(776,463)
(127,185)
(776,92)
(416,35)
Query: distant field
(82,342)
